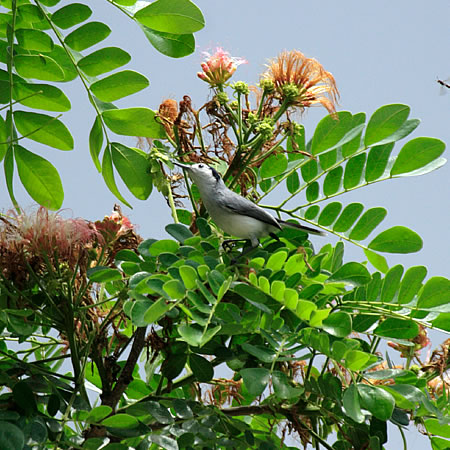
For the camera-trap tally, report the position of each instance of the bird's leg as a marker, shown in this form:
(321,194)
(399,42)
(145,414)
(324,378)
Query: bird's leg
(274,236)
(227,243)
(254,244)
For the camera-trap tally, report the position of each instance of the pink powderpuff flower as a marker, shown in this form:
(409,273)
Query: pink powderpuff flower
(219,67)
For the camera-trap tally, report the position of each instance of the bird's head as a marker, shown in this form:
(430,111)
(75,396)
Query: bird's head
(201,174)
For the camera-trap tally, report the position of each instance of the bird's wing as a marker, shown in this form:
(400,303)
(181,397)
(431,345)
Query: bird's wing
(240,205)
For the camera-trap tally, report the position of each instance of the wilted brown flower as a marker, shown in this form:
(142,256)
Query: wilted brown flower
(304,79)
(168,112)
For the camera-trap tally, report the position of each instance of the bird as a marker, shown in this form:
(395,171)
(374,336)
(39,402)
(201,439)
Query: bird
(233,213)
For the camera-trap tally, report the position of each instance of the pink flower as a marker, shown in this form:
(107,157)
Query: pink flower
(219,67)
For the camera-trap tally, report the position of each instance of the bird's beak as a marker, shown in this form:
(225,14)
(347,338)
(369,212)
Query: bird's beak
(183,166)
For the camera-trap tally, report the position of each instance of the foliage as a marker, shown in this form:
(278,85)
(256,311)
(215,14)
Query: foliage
(43,41)
(151,327)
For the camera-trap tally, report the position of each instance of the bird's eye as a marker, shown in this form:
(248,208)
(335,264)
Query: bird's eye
(200,166)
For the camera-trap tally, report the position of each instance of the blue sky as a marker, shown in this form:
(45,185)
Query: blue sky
(379,52)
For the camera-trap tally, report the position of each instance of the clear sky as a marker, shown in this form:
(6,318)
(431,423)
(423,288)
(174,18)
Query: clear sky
(379,52)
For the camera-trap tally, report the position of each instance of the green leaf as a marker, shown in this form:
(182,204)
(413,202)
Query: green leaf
(173,45)
(264,354)
(40,67)
(276,260)
(182,409)
(338,324)
(103,60)
(282,386)
(377,261)
(41,96)
(348,217)
(175,289)
(332,181)
(329,213)
(98,413)
(397,240)
(179,232)
(416,154)
(163,246)
(119,85)
(96,142)
(133,168)
(201,368)
(384,122)
(190,334)
(31,39)
(87,35)
(358,122)
(330,130)
(100,274)
(356,360)
(50,3)
(377,401)
(108,175)
(176,16)
(434,426)
(40,179)
(60,56)
(293,182)
(24,397)
(159,413)
(124,421)
(354,171)
(351,404)
(377,161)
(411,283)
(312,191)
(255,380)
(253,295)
(352,273)
(11,436)
(30,13)
(274,165)
(156,311)
(397,328)
(304,309)
(134,122)
(435,294)
(44,129)
(189,276)
(367,223)
(71,15)
(391,283)
(407,128)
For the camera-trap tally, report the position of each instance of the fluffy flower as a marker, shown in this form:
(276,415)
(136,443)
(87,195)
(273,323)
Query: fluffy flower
(304,80)
(219,67)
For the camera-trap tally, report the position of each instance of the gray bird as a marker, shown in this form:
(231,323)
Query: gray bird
(233,213)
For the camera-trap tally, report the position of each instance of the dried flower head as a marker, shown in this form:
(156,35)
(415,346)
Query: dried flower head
(168,112)
(302,80)
(219,67)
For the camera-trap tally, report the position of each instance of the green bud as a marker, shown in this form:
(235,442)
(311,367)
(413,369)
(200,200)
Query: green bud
(252,118)
(267,85)
(222,97)
(290,91)
(234,105)
(241,87)
(297,129)
(265,129)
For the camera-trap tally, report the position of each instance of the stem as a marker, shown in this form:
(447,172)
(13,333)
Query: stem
(405,445)
(172,203)
(310,365)
(21,99)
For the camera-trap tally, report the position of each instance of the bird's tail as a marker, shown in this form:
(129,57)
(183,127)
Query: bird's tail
(304,228)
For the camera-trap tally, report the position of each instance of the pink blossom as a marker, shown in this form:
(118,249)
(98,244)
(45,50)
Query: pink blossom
(219,67)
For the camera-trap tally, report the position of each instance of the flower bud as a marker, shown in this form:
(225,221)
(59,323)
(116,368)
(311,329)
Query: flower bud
(241,87)
(222,97)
